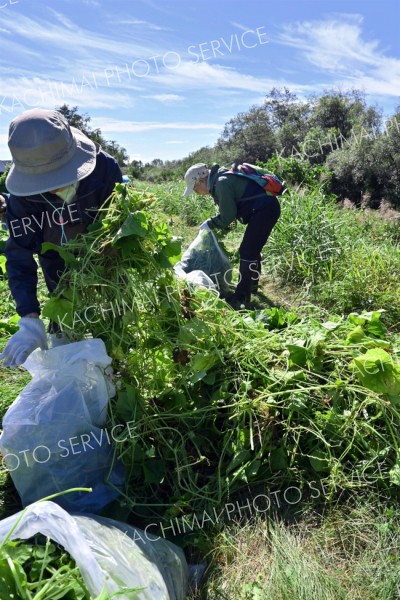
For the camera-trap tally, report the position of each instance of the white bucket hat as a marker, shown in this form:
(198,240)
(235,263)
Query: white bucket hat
(192,176)
(47,153)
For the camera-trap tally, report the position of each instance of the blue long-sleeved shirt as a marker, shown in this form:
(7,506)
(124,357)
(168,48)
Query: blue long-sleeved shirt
(33,220)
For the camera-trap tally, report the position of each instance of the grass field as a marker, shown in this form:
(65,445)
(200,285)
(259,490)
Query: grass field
(274,405)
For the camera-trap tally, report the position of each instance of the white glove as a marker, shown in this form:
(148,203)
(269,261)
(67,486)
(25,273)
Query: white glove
(205,226)
(31,335)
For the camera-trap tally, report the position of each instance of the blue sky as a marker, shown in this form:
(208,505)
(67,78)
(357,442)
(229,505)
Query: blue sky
(162,77)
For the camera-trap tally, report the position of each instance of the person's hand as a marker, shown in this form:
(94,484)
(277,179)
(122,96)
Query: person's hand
(31,335)
(205,226)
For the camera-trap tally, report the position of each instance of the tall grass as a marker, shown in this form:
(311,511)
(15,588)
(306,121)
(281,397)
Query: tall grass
(309,239)
(368,278)
(345,260)
(191,210)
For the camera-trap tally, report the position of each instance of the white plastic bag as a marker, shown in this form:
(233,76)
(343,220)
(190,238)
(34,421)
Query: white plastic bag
(53,437)
(205,264)
(195,278)
(109,554)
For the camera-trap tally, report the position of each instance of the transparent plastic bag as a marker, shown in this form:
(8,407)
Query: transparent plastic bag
(110,555)
(204,255)
(195,278)
(53,437)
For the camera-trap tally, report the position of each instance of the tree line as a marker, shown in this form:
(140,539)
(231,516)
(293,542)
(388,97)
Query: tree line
(336,136)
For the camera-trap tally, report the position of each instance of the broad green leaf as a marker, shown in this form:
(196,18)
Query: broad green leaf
(377,329)
(252,468)
(203,362)
(19,551)
(60,311)
(129,247)
(331,325)
(319,460)
(136,224)
(11,324)
(359,336)
(96,225)
(198,376)
(276,317)
(238,460)
(162,259)
(129,404)
(356,335)
(376,371)
(371,317)
(371,321)
(66,255)
(210,378)
(278,459)
(173,248)
(193,331)
(297,354)
(288,376)
(154,470)
(394,474)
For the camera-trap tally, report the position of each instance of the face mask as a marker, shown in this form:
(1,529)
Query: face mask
(68,193)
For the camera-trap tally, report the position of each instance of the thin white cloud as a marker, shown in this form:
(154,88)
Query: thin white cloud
(93,54)
(355,17)
(337,47)
(240,26)
(67,63)
(330,44)
(117,125)
(78,40)
(166,98)
(23,93)
(203,75)
(140,23)
(65,22)
(175,142)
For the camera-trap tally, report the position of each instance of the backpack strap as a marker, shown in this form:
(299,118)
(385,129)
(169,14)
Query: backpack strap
(269,182)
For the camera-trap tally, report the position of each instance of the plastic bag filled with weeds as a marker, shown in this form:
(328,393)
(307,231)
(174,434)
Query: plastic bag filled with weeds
(205,255)
(114,559)
(54,433)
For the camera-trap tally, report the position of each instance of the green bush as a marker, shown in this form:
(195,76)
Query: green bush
(300,172)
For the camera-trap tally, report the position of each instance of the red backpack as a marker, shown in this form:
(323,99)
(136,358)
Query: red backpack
(272,185)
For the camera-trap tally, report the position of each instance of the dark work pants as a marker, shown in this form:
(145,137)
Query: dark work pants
(261,223)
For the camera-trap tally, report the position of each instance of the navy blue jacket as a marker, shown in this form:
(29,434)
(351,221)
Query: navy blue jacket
(33,220)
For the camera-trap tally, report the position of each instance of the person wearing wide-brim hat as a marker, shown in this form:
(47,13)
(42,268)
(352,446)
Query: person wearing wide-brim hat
(57,182)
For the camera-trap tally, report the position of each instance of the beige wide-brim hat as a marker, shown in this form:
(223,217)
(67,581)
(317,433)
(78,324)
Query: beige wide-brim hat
(47,153)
